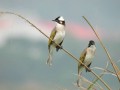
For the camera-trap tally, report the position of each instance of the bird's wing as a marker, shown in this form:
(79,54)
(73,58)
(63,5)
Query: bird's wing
(88,67)
(82,58)
(83,55)
(52,35)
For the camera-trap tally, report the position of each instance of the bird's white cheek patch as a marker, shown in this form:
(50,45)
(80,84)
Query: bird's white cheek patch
(61,18)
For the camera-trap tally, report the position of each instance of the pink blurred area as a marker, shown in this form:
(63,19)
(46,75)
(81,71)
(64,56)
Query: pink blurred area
(81,32)
(16,27)
(76,30)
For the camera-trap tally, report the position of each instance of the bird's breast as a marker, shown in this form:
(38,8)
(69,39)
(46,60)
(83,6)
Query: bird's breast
(59,36)
(88,59)
(89,56)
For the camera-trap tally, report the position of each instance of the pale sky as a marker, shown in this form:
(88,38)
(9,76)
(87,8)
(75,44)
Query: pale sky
(23,61)
(104,15)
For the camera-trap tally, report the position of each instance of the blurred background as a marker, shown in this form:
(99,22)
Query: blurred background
(24,51)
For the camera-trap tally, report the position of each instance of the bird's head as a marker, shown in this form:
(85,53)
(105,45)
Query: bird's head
(91,42)
(60,20)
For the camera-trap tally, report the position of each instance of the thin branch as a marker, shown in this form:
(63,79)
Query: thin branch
(105,70)
(87,81)
(84,79)
(116,69)
(57,45)
(100,86)
(94,82)
(107,64)
(107,73)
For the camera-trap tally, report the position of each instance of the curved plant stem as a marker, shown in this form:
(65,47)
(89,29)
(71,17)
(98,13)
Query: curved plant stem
(57,45)
(90,87)
(116,69)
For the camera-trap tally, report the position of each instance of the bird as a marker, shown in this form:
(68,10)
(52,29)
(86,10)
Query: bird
(57,35)
(86,58)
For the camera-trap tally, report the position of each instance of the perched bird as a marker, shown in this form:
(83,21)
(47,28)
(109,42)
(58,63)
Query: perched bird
(57,35)
(86,58)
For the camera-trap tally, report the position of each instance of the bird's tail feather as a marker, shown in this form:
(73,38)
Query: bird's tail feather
(80,69)
(49,61)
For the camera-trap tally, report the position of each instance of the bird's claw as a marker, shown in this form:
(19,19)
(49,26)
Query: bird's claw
(61,47)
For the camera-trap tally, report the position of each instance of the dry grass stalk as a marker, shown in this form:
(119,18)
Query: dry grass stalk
(56,44)
(115,67)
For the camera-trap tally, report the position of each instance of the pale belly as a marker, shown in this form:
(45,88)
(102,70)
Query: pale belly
(88,59)
(59,37)
(90,55)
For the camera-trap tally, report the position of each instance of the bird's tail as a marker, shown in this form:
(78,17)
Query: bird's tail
(80,69)
(49,61)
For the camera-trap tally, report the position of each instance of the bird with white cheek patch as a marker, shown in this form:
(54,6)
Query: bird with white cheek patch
(57,35)
(86,58)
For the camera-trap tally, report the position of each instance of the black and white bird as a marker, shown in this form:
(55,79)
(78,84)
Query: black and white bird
(57,35)
(86,57)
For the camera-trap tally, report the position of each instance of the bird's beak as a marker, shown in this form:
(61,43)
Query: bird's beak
(53,20)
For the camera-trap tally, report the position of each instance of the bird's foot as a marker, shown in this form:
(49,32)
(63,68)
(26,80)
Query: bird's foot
(58,47)
(61,47)
(89,70)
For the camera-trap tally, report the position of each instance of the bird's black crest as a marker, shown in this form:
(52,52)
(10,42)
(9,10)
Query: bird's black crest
(91,42)
(57,18)
(59,21)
